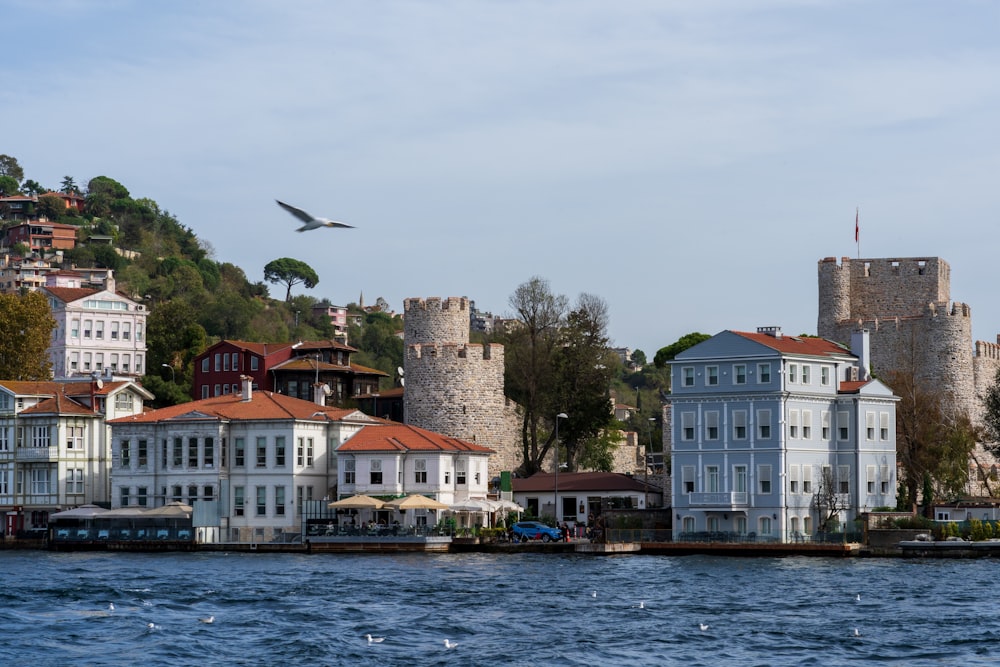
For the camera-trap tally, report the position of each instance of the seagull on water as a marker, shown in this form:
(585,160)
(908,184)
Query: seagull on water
(703,626)
(111,607)
(641,605)
(312,222)
(857,633)
(152,626)
(374,640)
(593,594)
(450,644)
(857,598)
(210,619)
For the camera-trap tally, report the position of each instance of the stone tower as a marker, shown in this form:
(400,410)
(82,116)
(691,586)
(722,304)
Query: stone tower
(454,387)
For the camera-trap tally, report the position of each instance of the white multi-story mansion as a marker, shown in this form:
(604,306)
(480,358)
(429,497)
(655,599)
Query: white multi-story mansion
(777,437)
(98,331)
(55,445)
(399,459)
(254,458)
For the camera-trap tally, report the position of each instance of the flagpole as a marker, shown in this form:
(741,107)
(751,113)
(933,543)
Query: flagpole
(857,229)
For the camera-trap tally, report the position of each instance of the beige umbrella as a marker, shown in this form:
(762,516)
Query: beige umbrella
(416,502)
(358,502)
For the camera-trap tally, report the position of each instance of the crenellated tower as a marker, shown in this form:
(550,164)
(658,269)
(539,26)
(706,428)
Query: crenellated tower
(455,387)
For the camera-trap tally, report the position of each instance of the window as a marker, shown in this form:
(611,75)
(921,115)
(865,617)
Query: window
(349,472)
(883,479)
(843,426)
(142,493)
(74,481)
(687,479)
(807,475)
(236,361)
(88,325)
(375,471)
(204,391)
(126,330)
(870,479)
(843,479)
(261,501)
(740,374)
(765,525)
(712,479)
(807,424)
(883,426)
(74,437)
(712,425)
(40,436)
(261,452)
(225,362)
(687,376)
(279,450)
(793,373)
(279,501)
(870,426)
(217,390)
(177,493)
(204,365)
(218,362)
(824,376)
(763,373)
(763,424)
(740,479)
(825,428)
(99,330)
(74,330)
(114,330)
(254,363)
(688,524)
(420,471)
(125,448)
(177,453)
(124,401)
(793,423)
(739,424)
(40,482)
(300,453)
(123,496)
(711,376)
(209,452)
(806,372)
(764,479)
(192,452)
(793,478)
(239,452)
(687,426)
(209,492)
(460,472)
(238,501)
(143,454)
(309,452)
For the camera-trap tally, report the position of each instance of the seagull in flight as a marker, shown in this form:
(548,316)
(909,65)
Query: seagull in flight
(312,222)
(374,640)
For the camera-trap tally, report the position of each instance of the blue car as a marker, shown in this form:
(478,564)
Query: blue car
(531,530)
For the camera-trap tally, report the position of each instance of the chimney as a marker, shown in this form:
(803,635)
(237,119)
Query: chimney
(774,332)
(247,382)
(109,282)
(861,348)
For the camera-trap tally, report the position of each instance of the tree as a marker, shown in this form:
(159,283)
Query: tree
(829,503)
(529,370)
(69,186)
(665,354)
(8,186)
(287,271)
(30,187)
(26,326)
(991,416)
(10,167)
(51,206)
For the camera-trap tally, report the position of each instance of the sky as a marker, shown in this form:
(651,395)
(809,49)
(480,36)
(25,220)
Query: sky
(688,161)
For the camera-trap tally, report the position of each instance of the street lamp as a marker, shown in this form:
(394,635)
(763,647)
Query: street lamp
(555,492)
(645,467)
(173,376)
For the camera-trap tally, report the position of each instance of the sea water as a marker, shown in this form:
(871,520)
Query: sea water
(501,609)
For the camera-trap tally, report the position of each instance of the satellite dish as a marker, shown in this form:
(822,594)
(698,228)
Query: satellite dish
(401,382)
(326,390)
(399,369)
(99,382)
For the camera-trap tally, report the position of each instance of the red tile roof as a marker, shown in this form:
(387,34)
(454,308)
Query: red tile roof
(817,347)
(581,481)
(852,387)
(263,349)
(59,405)
(263,405)
(51,388)
(324,345)
(403,437)
(71,294)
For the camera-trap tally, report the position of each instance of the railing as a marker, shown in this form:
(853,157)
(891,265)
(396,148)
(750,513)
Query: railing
(719,499)
(380,532)
(36,454)
(726,537)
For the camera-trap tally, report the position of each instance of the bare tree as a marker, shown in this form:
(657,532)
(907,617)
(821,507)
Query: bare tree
(828,501)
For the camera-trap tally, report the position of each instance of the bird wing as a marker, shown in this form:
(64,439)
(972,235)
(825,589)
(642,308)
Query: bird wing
(334,223)
(297,212)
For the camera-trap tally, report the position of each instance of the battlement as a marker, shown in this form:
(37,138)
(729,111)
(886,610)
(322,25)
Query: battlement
(437,303)
(455,351)
(985,350)
(436,320)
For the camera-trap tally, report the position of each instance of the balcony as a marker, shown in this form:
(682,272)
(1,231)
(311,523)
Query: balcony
(718,499)
(28,454)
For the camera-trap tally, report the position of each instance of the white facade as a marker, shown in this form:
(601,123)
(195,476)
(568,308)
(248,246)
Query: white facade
(777,438)
(55,445)
(97,331)
(255,458)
